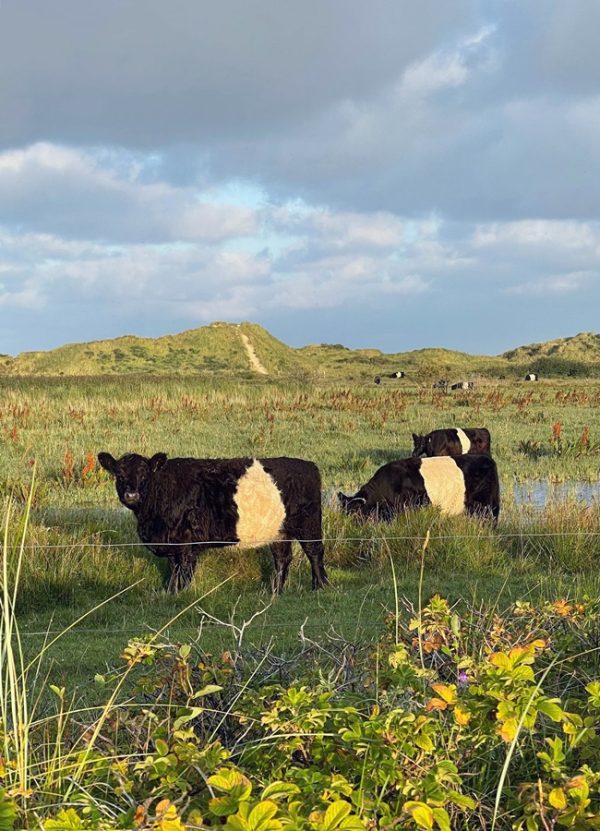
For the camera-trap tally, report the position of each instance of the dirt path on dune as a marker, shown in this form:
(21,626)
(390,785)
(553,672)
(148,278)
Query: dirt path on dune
(252,356)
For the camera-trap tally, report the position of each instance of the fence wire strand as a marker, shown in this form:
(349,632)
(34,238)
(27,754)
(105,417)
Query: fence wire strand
(501,535)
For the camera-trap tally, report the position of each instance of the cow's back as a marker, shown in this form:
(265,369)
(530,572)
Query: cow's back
(481,440)
(445,442)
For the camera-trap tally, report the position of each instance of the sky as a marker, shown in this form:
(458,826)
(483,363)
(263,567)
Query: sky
(392,174)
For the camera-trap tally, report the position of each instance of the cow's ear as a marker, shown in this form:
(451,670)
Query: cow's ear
(107,462)
(347,501)
(157,461)
(416,439)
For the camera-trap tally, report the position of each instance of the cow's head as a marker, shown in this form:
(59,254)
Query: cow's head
(420,445)
(132,475)
(353,505)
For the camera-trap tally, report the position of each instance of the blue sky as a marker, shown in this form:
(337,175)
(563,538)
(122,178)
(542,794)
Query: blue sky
(389,174)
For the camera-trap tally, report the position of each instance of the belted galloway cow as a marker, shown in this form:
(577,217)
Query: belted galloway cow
(184,506)
(395,375)
(465,484)
(453,441)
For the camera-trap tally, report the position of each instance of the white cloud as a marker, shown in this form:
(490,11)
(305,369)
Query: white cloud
(447,68)
(556,284)
(80,194)
(538,233)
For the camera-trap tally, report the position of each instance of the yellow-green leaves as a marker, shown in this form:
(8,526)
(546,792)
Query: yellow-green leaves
(426,817)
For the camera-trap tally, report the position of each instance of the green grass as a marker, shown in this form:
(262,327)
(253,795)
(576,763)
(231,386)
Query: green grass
(87,587)
(82,544)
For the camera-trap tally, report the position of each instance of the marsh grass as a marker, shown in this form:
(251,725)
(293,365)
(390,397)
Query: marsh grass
(82,547)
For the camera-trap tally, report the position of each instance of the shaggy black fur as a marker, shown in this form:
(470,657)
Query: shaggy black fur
(399,485)
(190,502)
(447,443)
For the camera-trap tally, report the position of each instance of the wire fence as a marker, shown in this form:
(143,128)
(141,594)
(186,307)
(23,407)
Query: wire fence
(523,533)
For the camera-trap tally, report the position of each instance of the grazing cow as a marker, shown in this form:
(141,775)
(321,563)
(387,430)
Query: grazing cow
(532,376)
(396,375)
(184,506)
(466,484)
(453,441)
(463,385)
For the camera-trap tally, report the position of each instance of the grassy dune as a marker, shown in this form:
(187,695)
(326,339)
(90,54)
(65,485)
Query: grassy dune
(218,349)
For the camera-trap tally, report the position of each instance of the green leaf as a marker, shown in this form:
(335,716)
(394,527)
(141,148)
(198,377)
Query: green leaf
(162,748)
(236,823)
(193,712)
(231,781)
(461,800)
(184,651)
(593,688)
(209,689)
(550,708)
(442,819)
(261,814)
(223,806)
(352,823)
(8,812)
(335,813)
(66,820)
(421,813)
(58,691)
(280,790)
(424,742)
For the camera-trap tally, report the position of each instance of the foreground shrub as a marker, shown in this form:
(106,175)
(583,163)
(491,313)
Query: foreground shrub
(471,720)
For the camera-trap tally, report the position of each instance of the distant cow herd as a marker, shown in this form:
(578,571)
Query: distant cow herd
(443,384)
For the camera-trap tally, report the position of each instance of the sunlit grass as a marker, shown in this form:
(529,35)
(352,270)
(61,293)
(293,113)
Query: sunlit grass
(82,546)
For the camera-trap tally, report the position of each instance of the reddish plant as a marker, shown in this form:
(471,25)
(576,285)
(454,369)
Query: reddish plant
(88,468)
(68,470)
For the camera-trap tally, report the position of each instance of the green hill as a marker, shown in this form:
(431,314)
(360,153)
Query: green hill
(575,356)
(248,350)
(215,348)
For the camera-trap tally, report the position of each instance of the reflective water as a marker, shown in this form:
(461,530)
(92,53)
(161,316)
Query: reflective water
(541,492)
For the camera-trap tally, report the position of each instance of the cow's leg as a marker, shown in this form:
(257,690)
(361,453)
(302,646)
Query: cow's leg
(314,551)
(182,567)
(282,557)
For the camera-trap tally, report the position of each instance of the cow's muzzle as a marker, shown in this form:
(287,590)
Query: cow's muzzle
(131,498)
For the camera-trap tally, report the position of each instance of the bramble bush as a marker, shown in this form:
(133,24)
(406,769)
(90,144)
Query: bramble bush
(453,720)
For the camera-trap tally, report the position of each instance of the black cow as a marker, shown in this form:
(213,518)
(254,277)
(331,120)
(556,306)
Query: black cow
(441,384)
(454,441)
(184,506)
(396,375)
(465,484)
(532,376)
(463,385)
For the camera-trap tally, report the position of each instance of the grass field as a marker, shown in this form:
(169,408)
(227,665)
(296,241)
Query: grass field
(346,667)
(82,543)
